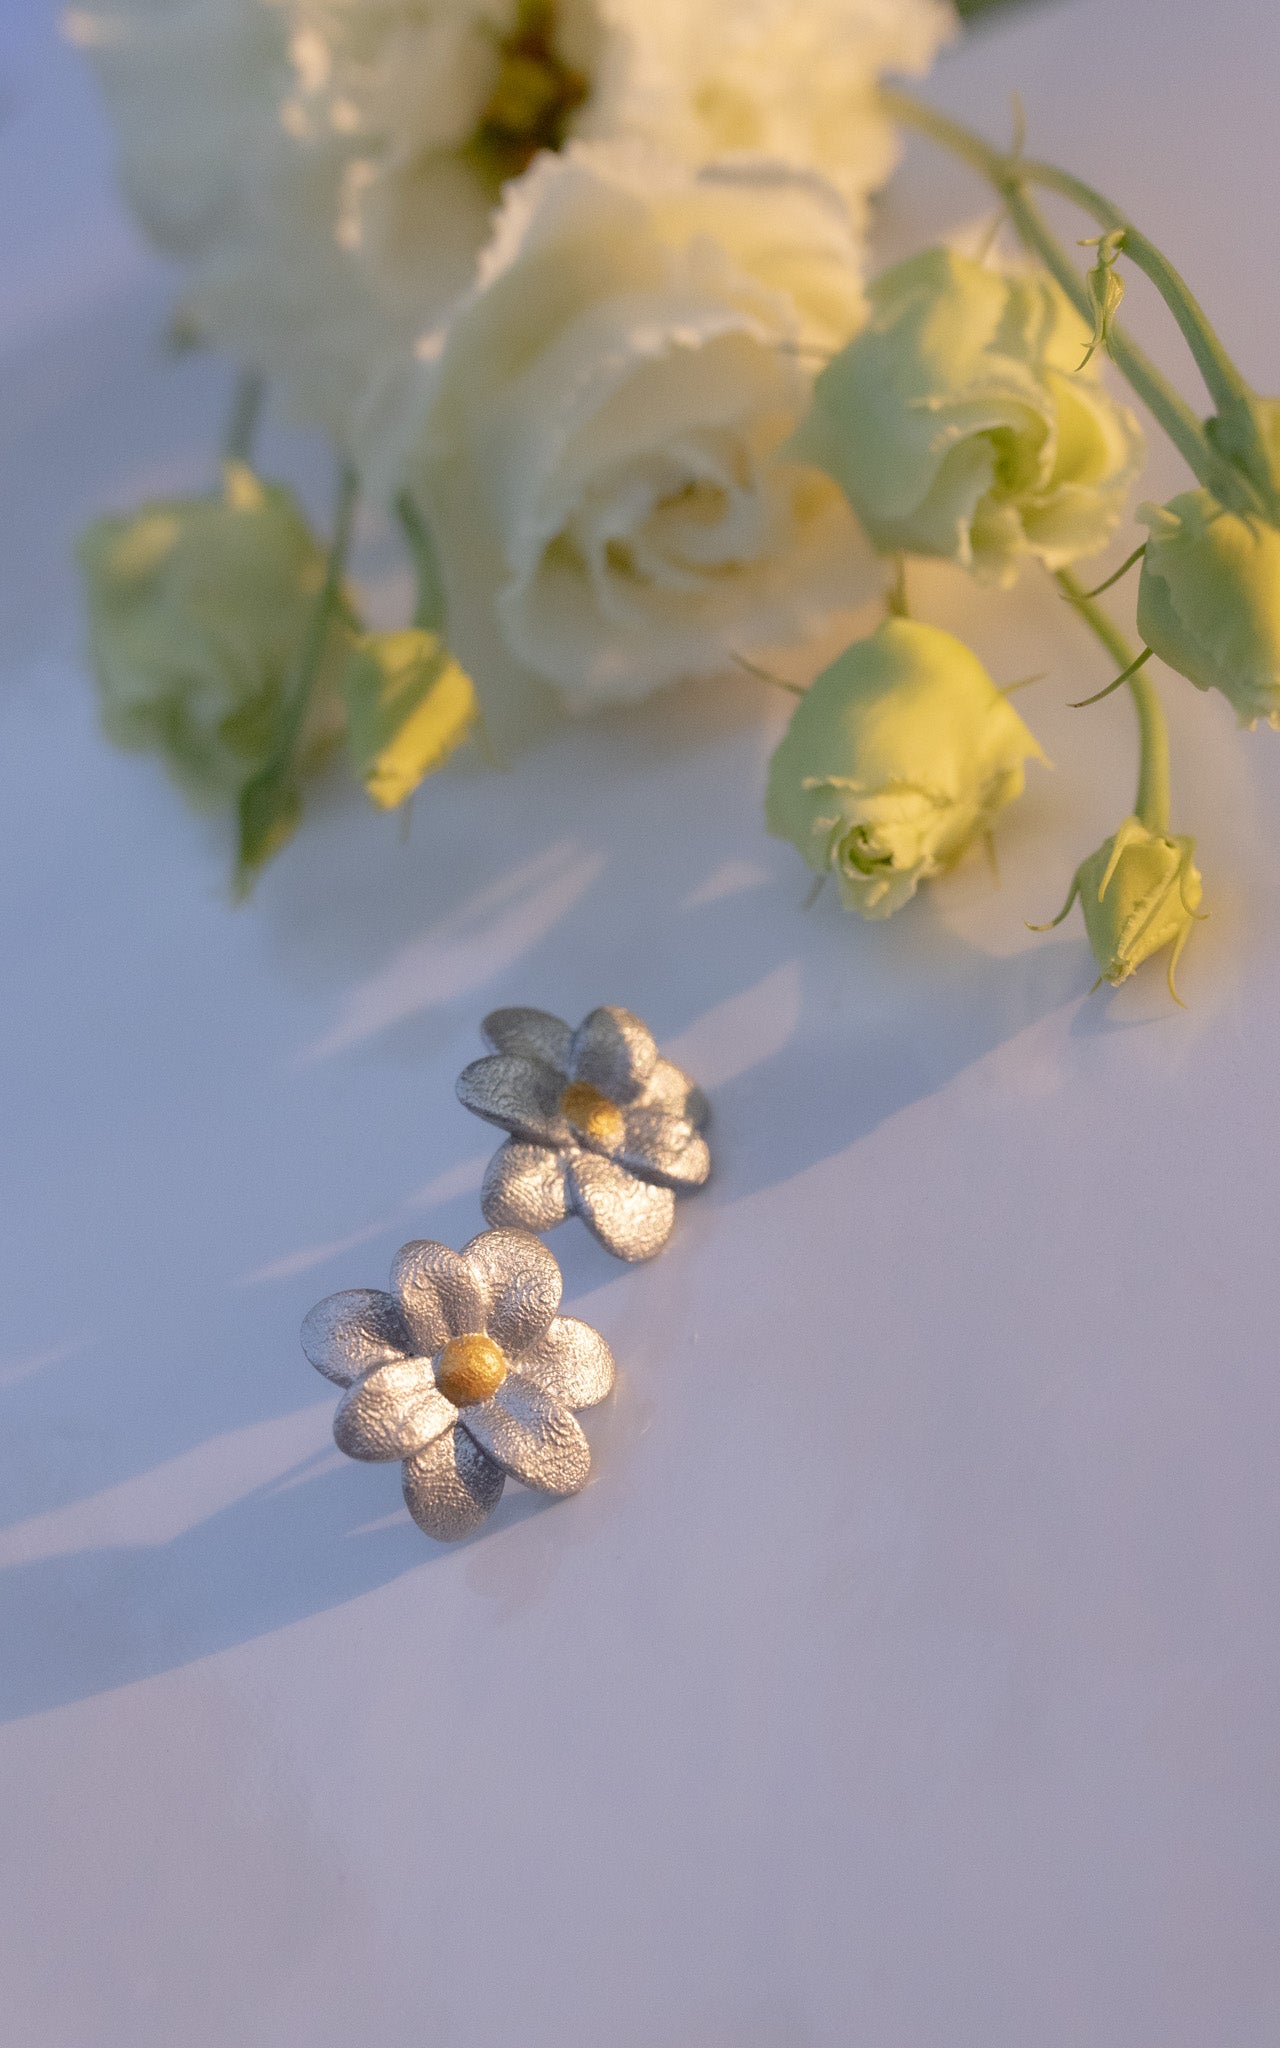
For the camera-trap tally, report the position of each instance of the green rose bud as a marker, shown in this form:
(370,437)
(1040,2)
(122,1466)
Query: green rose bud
(960,423)
(896,757)
(1139,893)
(1209,601)
(198,610)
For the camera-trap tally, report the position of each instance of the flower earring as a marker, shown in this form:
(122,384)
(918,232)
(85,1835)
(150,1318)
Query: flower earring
(600,1126)
(465,1372)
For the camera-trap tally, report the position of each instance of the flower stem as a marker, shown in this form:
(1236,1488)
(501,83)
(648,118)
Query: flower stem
(1225,383)
(270,803)
(246,407)
(429,613)
(321,619)
(1152,802)
(1011,175)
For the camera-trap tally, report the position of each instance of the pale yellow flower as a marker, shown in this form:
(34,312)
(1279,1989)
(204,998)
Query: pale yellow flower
(896,758)
(1139,894)
(1209,601)
(198,612)
(960,423)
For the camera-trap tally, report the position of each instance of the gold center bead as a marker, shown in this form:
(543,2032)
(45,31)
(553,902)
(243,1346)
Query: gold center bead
(593,1115)
(470,1369)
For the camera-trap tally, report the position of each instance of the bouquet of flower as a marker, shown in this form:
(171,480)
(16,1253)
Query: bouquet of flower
(577,289)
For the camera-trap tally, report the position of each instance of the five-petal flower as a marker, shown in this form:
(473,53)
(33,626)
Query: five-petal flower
(600,1126)
(466,1372)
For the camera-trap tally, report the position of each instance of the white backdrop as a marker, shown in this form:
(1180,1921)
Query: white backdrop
(907,1675)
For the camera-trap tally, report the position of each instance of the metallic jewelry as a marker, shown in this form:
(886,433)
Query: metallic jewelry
(601,1127)
(465,1372)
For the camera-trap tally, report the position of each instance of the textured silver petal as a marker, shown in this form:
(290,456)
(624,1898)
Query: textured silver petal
(531,1436)
(522,1281)
(615,1052)
(348,1333)
(441,1295)
(519,1094)
(632,1218)
(452,1486)
(665,1148)
(393,1411)
(670,1089)
(534,1033)
(572,1363)
(525,1187)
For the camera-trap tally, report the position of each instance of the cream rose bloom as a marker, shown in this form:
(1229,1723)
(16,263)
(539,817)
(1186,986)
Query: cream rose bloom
(596,439)
(200,91)
(327,169)
(416,83)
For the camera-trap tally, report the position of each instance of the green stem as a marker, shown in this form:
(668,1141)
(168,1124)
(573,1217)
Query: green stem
(1010,175)
(430,608)
(1151,805)
(295,711)
(1220,374)
(270,803)
(246,408)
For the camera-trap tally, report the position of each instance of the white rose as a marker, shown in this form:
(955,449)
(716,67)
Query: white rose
(202,92)
(597,438)
(416,81)
(793,80)
(328,169)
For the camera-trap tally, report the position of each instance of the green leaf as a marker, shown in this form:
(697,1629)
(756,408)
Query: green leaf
(269,809)
(409,705)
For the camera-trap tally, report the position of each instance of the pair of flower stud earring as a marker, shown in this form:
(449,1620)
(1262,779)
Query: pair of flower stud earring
(466,1371)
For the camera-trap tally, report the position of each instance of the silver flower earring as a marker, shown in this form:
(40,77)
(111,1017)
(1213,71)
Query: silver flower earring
(600,1126)
(466,1372)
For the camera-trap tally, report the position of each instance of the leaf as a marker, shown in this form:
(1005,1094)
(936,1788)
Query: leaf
(1105,287)
(269,809)
(409,705)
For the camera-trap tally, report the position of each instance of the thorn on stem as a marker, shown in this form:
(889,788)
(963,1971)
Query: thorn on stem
(765,675)
(1123,677)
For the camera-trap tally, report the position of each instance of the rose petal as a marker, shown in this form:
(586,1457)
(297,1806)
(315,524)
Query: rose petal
(535,1034)
(615,1052)
(392,1412)
(525,1187)
(571,1362)
(522,1281)
(348,1333)
(665,1148)
(440,1294)
(632,1218)
(519,1094)
(531,1436)
(670,1089)
(452,1486)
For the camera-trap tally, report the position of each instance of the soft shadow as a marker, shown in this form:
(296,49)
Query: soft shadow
(96,1619)
(848,1067)
(93,1416)
(599,878)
